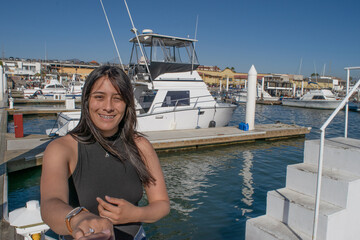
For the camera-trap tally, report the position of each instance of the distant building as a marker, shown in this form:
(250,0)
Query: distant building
(21,68)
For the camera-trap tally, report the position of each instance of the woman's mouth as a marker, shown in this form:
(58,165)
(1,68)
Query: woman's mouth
(107,116)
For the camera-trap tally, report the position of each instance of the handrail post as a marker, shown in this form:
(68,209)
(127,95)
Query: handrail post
(347,104)
(318,185)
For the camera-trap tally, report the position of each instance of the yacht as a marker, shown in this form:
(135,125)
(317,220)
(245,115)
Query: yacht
(315,98)
(169,92)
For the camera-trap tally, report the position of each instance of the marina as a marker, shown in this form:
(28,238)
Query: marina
(245,156)
(244,125)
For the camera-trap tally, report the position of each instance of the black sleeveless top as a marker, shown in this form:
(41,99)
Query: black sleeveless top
(98,174)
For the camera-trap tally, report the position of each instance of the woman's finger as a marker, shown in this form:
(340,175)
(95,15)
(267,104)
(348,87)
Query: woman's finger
(107,206)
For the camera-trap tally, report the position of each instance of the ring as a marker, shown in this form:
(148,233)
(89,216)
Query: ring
(91,231)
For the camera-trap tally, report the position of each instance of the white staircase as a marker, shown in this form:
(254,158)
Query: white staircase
(290,210)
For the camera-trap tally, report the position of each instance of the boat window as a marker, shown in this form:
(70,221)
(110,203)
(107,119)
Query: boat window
(173,51)
(318,97)
(176,98)
(146,99)
(159,52)
(136,55)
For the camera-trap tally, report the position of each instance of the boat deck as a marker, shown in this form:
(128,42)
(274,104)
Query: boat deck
(26,152)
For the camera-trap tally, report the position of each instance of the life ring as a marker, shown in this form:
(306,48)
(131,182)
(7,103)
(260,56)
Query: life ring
(47,81)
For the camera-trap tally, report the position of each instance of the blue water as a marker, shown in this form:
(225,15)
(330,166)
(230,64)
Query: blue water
(213,191)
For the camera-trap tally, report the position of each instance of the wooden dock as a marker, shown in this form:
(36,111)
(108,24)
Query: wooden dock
(42,101)
(26,152)
(38,111)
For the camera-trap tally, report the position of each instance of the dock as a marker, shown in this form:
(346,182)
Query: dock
(26,152)
(38,111)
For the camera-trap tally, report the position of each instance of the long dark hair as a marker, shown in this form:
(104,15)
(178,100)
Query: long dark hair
(87,132)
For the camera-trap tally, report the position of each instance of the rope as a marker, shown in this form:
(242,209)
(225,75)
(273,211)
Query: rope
(112,35)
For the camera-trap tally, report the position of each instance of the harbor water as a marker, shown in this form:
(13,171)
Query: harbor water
(213,191)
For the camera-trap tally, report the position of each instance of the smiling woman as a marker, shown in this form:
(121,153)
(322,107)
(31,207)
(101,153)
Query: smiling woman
(106,107)
(93,178)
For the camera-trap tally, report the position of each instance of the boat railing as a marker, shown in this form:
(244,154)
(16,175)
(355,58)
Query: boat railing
(175,103)
(322,142)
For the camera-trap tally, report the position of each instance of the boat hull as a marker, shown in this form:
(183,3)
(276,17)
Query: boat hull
(318,104)
(171,120)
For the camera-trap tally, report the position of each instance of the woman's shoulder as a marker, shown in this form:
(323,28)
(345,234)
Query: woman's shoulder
(142,141)
(65,144)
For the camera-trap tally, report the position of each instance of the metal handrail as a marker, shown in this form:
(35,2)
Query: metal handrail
(322,142)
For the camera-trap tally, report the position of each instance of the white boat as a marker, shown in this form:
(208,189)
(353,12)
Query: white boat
(49,90)
(241,96)
(319,98)
(169,94)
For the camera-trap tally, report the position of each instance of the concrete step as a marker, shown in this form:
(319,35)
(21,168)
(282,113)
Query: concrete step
(297,211)
(341,153)
(268,228)
(335,185)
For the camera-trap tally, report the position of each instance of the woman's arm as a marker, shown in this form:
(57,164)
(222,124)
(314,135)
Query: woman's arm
(120,211)
(56,166)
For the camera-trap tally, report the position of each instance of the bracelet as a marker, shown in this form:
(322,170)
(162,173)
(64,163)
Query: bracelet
(72,214)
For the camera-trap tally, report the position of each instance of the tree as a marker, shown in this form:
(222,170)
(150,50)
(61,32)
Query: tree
(315,75)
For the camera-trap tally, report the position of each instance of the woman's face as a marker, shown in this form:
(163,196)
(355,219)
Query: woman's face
(106,107)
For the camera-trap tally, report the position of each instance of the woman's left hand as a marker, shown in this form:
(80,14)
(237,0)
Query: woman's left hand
(118,211)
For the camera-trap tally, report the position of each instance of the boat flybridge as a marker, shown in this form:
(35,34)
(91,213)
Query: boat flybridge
(169,93)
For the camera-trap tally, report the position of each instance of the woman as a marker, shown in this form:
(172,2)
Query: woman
(93,178)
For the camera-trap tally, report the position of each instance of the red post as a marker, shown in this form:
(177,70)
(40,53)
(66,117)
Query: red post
(18,125)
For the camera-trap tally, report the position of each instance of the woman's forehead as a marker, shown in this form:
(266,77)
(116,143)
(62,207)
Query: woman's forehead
(104,84)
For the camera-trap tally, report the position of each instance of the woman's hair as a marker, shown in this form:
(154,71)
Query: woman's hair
(87,132)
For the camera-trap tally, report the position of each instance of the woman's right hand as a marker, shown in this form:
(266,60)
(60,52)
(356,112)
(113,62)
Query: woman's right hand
(90,226)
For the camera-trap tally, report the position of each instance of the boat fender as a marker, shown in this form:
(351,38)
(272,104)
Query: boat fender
(212,124)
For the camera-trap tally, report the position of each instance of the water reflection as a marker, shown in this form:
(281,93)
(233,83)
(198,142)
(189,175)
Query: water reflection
(247,189)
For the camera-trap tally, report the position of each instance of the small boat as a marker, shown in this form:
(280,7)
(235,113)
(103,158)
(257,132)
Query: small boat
(315,98)
(169,92)
(261,95)
(49,90)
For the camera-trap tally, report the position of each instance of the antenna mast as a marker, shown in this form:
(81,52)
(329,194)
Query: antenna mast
(112,35)
(193,55)
(300,66)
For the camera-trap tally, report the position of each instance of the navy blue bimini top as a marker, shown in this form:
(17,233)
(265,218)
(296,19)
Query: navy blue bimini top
(98,174)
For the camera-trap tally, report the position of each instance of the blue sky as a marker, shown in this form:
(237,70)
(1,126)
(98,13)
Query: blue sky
(274,35)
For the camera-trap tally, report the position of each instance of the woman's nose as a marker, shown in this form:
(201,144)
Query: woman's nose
(108,105)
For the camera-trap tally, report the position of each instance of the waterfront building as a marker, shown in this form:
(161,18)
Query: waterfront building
(213,76)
